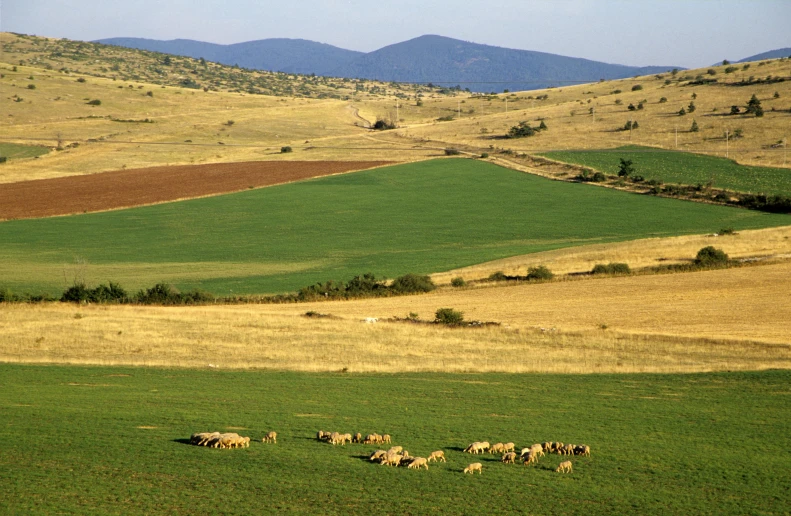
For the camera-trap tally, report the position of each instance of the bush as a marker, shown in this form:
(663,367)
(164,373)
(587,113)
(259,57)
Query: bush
(94,102)
(694,128)
(452,152)
(382,124)
(3,159)
(484,155)
(458,282)
(637,87)
(412,283)
(663,100)
(631,107)
(497,276)
(286,149)
(681,112)
(598,177)
(691,108)
(628,126)
(625,168)
(539,273)
(710,256)
(79,293)
(521,131)
(448,317)
(611,268)
(542,126)
(735,110)
(31,86)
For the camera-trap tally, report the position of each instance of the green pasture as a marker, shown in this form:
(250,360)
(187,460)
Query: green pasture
(91,440)
(421,218)
(16,150)
(683,168)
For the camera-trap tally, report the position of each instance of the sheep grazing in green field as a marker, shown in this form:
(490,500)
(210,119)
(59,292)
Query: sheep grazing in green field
(496,448)
(386,438)
(537,448)
(509,458)
(530,458)
(270,437)
(567,450)
(377,455)
(472,468)
(564,467)
(321,435)
(396,449)
(508,447)
(417,463)
(358,438)
(437,456)
(582,449)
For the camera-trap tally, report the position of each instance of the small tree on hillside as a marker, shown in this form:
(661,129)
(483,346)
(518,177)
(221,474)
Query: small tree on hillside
(754,106)
(694,128)
(625,168)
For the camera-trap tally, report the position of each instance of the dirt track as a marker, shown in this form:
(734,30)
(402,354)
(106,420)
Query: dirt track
(127,188)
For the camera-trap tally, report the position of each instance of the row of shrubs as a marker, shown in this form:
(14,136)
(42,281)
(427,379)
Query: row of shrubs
(366,285)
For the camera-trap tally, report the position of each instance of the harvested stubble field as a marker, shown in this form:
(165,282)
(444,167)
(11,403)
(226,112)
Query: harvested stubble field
(419,217)
(115,440)
(128,188)
(719,320)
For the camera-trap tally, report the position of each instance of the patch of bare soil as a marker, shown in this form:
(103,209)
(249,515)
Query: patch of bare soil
(138,187)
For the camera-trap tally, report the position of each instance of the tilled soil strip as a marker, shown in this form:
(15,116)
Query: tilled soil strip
(136,187)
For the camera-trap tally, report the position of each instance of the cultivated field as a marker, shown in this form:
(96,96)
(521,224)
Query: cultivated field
(421,218)
(114,440)
(129,188)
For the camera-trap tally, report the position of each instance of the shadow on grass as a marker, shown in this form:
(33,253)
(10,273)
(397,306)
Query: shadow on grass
(182,441)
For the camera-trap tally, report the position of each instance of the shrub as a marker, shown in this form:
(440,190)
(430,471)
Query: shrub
(539,273)
(458,282)
(731,69)
(628,126)
(497,276)
(625,168)
(681,112)
(94,102)
(286,149)
(710,256)
(382,124)
(711,71)
(3,159)
(631,107)
(150,93)
(77,293)
(484,155)
(691,108)
(452,152)
(663,100)
(694,128)
(448,317)
(754,105)
(735,110)
(31,86)
(542,126)
(598,177)
(611,268)
(726,231)
(637,87)
(521,131)
(412,283)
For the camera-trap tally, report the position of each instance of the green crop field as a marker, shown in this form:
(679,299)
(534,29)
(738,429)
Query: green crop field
(83,440)
(422,218)
(684,168)
(15,150)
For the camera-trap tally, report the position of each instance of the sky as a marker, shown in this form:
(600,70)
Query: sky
(686,33)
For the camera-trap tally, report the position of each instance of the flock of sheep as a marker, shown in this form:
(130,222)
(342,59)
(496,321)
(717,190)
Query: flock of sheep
(397,456)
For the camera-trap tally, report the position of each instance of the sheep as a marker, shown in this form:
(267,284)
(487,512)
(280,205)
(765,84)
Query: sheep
(373,439)
(537,448)
(509,458)
(564,467)
(582,449)
(200,438)
(270,437)
(417,462)
(245,442)
(472,468)
(321,435)
(377,455)
(508,447)
(530,458)
(392,459)
(224,440)
(395,449)
(346,438)
(358,438)
(547,446)
(524,452)
(496,448)
(436,456)
(469,449)
(405,454)
(484,446)
(386,438)
(568,450)
(477,447)
(557,446)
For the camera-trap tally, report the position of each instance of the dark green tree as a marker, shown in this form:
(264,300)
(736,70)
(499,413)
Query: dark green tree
(625,168)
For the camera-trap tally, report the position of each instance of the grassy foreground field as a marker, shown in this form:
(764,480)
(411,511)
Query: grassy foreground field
(421,217)
(112,440)
(684,168)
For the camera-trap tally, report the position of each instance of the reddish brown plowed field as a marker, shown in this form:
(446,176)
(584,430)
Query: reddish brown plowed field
(127,188)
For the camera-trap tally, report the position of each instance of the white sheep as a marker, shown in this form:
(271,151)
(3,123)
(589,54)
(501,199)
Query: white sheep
(564,467)
(270,437)
(472,468)
(436,456)
(417,462)
(509,458)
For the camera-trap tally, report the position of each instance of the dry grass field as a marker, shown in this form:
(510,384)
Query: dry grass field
(734,319)
(760,244)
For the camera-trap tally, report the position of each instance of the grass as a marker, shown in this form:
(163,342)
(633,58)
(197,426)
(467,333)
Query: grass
(684,168)
(423,217)
(112,440)
(718,320)
(17,151)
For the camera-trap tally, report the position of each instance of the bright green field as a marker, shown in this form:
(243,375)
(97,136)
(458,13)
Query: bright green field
(684,168)
(422,218)
(661,444)
(15,150)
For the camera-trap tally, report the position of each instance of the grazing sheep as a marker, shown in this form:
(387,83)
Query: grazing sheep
(469,448)
(509,458)
(582,449)
(346,438)
(321,435)
(537,448)
(524,452)
(271,437)
(437,455)
(377,455)
(557,446)
(530,458)
(405,454)
(358,438)
(568,450)
(392,459)
(547,447)
(485,446)
(245,442)
(496,448)
(395,449)
(472,468)
(564,467)
(417,462)
(508,447)
(386,438)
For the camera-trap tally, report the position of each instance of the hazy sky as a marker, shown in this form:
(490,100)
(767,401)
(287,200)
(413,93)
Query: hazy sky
(688,33)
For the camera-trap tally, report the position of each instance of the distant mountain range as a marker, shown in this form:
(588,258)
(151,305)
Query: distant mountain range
(772,54)
(437,59)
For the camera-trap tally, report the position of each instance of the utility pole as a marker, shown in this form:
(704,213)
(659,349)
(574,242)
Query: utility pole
(726,143)
(396,120)
(593,115)
(630,129)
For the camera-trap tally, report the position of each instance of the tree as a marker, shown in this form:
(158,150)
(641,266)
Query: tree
(681,112)
(709,256)
(735,110)
(691,108)
(631,107)
(520,131)
(625,168)
(754,106)
(694,128)
(542,126)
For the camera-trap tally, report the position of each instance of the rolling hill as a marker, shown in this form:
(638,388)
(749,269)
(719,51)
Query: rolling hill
(771,54)
(429,58)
